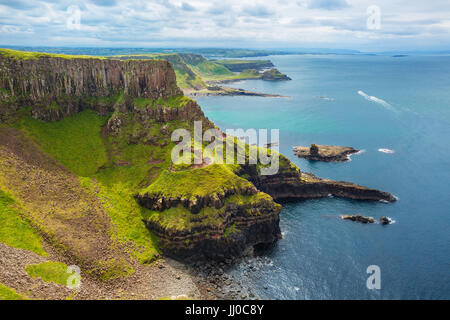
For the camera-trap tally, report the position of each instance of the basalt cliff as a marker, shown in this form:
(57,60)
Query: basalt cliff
(85,152)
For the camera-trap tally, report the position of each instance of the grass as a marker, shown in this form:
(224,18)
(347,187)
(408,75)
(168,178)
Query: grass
(74,141)
(114,268)
(172,102)
(213,179)
(180,218)
(9,294)
(49,272)
(26,55)
(14,231)
(193,71)
(240,62)
(126,215)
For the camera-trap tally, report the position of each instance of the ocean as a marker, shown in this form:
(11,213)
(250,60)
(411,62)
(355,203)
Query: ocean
(397,111)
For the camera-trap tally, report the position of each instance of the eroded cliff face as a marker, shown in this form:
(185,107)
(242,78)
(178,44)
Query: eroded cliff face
(290,183)
(57,87)
(232,230)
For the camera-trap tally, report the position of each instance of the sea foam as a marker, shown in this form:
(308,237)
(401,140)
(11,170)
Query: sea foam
(385,150)
(375,99)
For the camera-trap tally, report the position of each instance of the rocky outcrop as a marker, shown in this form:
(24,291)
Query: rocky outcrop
(237,229)
(195,203)
(385,220)
(291,183)
(358,218)
(190,111)
(274,75)
(325,153)
(241,65)
(56,87)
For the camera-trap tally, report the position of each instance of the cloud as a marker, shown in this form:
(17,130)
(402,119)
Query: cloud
(257,11)
(405,24)
(219,8)
(19,4)
(187,7)
(327,4)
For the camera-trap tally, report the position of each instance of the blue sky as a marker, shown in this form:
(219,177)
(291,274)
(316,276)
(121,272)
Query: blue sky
(404,24)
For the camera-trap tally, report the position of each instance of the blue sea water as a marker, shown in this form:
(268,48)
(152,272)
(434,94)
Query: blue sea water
(321,256)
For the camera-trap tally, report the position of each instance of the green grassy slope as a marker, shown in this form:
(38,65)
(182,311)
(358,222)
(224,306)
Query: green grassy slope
(49,272)
(14,230)
(9,294)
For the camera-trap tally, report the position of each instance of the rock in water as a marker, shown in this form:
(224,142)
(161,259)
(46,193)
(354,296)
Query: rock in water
(324,153)
(385,220)
(358,218)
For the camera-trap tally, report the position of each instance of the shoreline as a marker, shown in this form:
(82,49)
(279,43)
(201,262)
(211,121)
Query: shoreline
(229,92)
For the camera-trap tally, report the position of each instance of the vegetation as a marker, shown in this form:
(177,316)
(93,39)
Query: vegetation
(26,55)
(213,179)
(193,71)
(126,215)
(74,141)
(49,272)
(9,294)
(14,230)
(172,102)
(238,65)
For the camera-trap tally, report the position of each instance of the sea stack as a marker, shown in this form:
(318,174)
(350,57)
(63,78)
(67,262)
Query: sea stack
(325,153)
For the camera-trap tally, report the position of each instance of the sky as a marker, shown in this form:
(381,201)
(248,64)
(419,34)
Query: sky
(368,26)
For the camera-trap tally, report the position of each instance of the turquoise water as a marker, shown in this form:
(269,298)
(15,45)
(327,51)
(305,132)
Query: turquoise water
(320,255)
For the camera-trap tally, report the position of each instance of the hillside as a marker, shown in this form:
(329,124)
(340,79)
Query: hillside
(86,178)
(196,74)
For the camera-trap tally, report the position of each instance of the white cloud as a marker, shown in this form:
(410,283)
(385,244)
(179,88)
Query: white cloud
(244,23)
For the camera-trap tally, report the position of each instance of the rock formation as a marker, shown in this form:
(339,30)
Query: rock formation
(324,153)
(57,87)
(291,183)
(358,218)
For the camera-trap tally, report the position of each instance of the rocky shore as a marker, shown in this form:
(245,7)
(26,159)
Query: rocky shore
(225,91)
(325,153)
(291,183)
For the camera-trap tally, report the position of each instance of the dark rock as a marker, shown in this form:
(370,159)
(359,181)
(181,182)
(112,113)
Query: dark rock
(324,153)
(385,220)
(358,218)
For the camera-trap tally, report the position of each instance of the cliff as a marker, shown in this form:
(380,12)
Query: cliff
(291,183)
(56,87)
(241,65)
(105,126)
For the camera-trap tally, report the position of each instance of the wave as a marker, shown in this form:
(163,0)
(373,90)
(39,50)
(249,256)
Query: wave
(385,150)
(375,99)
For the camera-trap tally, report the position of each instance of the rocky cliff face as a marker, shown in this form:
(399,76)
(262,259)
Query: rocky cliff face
(230,231)
(57,87)
(291,183)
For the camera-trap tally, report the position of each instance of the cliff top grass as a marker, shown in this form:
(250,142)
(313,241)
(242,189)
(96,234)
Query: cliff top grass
(49,272)
(212,179)
(74,141)
(9,294)
(172,102)
(14,230)
(27,55)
